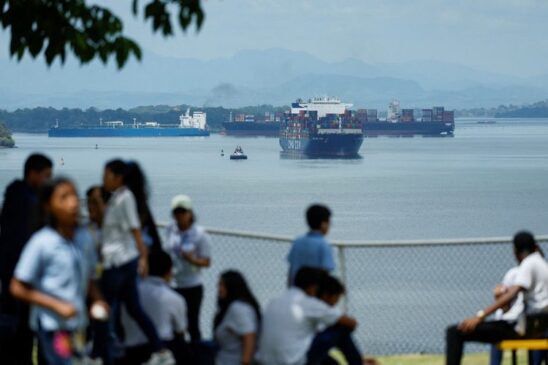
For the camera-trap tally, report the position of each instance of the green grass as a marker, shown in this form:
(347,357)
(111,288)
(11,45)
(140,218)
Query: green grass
(470,359)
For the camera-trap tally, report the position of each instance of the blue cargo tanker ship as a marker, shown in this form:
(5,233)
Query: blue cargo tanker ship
(321,127)
(189,126)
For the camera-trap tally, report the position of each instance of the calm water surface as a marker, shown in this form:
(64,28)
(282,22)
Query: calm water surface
(489,180)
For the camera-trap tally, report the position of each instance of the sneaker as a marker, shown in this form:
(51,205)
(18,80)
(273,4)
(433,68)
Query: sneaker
(164,357)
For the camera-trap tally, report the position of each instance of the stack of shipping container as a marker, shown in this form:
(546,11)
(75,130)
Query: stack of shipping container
(407,115)
(437,113)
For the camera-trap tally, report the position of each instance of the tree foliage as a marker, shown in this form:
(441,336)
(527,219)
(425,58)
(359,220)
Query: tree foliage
(56,28)
(5,137)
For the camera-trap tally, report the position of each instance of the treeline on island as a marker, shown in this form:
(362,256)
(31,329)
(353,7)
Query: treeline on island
(536,110)
(38,120)
(5,137)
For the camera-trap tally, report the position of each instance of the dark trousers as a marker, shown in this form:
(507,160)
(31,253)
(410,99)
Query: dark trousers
(486,332)
(333,337)
(16,337)
(193,298)
(119,286)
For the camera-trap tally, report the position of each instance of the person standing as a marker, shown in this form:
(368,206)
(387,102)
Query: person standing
(124,257)
(236,323)
(55,275)
(312,249)
(17,222)
(189,246)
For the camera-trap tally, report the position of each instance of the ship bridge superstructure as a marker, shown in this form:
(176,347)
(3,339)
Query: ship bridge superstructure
(322,105)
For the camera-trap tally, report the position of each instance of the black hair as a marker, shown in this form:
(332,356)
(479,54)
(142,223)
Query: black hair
(36,162)
(136,181)
(104,194)
(159,263)
(316,214)
(116,166)
(91,190)
(330,285)
(46,192)
(236,289)
(524,242)
(308,276)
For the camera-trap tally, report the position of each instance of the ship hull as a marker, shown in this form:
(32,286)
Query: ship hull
(373,129)
(323,146)
(252,129)
(127,132)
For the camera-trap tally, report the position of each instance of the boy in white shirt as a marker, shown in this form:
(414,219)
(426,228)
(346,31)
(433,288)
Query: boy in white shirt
(292,320)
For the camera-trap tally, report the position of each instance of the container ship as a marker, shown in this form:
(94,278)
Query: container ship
(321,128)
(194,125)
(399,122)
(402,122)
(247,125)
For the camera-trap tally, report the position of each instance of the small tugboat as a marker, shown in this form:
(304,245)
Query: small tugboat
(238,154)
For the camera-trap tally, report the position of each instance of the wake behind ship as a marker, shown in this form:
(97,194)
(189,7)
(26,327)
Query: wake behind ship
(321,128)
(189,126)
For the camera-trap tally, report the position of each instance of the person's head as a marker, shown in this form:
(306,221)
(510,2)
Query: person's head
(92,194)
(160,265)
(308,279)
(233,286)
(181,209)
(524,245)
(37,170)
(318,218)
(113,176)
(330,290)
(60,204)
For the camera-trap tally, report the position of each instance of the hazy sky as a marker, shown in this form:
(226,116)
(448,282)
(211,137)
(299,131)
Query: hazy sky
(506,36)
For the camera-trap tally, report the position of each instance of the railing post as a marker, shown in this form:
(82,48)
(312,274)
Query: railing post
(342,266)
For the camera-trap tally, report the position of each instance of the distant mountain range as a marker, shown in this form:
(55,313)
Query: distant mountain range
(252,77)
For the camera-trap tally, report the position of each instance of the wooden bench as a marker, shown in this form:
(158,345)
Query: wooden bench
(525,344)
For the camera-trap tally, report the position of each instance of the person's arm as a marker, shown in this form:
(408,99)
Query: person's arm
(248,347)
(348,322)
(470,324)
(196,261)
(201,257)
(95,296)
(143,251)
(27,293)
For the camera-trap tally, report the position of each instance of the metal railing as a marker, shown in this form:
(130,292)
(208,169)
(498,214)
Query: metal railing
(403,293)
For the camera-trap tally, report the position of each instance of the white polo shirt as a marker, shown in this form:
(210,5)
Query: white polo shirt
(532,275)
(165,308)
(289,325)
(517,306)
(118,245)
